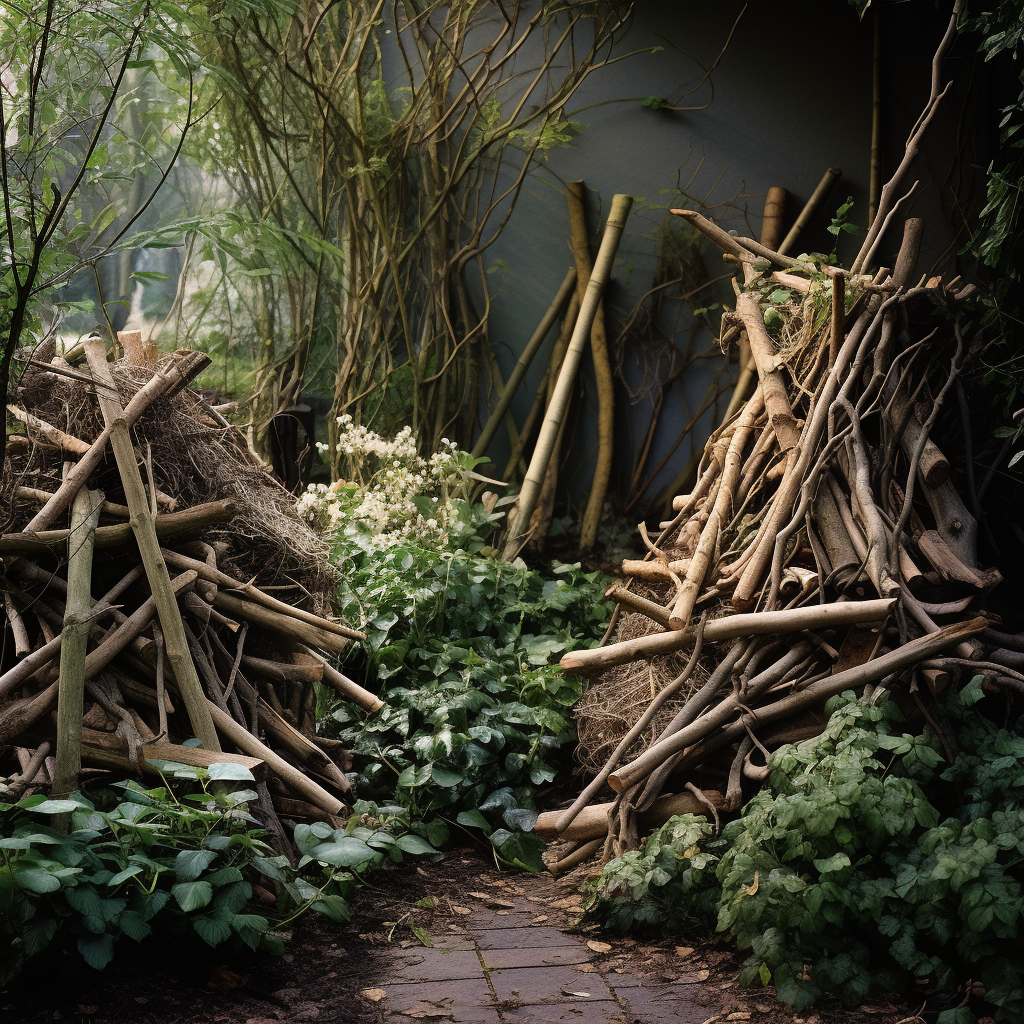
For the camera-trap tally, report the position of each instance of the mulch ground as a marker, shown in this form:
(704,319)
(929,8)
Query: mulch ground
(328,969)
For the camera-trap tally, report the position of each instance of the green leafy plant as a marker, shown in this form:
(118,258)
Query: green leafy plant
(669,882)
(865,864)
(164,862)
(461,645)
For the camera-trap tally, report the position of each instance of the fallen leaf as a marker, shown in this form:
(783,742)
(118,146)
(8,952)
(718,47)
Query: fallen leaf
(739,1015)
(599,947)
(577,995)
(375,995)
(684,951)
(223,979)
(493,900)
(586,968)
(539,919)
(461,910)
(568,903)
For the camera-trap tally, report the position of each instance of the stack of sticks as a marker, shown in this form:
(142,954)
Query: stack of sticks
(824,547)
(820,544)
(821,541)
(130,629)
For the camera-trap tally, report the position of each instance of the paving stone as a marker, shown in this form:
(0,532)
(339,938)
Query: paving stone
(489,920)
(547,985)
(456,1015)
(432,964)
(535,956)
(599,1011)
(520,938)
(663,1004)
(456,995)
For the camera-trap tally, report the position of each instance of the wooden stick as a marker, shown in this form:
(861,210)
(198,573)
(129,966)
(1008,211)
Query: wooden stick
(256,595)
(291,776)
(721,512)
(773,387)
(167,527)
(22,643)
(593,820)
(838,315)
(179,373)
(85,513)
(56,437)
(519,528)
(731,626)
(872,671)
(286,625)
(42,497)
(143,526)
(301,747)
(346,687)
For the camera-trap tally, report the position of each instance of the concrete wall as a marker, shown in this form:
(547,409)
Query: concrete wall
(790,97)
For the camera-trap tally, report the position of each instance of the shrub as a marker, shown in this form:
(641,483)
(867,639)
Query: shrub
(461,643)
(863,865)
(162,862)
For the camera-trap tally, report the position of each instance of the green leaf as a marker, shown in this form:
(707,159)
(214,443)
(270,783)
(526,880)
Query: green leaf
(37,881)
(226,771)
(97,950)
(190,864)
(212,931)
(343,853)
(192,895)
(414,845)
(445,778)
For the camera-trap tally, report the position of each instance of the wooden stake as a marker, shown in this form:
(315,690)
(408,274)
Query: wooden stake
(85,513)
(142,524)
(519,527)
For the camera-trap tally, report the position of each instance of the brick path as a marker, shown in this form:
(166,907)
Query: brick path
(511,966)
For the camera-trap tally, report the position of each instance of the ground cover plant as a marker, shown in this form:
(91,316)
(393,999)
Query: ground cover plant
(459,643)
(871,861)
(79,875)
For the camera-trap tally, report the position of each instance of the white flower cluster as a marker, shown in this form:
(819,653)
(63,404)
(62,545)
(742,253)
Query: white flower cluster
(390,476)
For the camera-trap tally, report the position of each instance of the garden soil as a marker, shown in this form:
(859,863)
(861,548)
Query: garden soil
(376,970)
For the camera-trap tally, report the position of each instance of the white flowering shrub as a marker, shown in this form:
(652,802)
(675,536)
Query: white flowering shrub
(395,496)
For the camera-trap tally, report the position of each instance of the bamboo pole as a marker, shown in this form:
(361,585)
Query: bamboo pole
(85,513)
(875,175)
(143,526)
(580,245)
(523,363)
(520,526)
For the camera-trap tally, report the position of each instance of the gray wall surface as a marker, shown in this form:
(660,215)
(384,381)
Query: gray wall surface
(790,97)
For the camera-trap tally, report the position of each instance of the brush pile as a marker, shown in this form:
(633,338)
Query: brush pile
(823,548)
(159,586)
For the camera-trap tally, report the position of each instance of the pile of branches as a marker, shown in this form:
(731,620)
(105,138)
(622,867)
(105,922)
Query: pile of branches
(823,548)
(159,588)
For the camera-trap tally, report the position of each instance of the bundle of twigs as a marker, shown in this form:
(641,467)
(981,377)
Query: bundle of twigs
(138,514)
(821,541)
